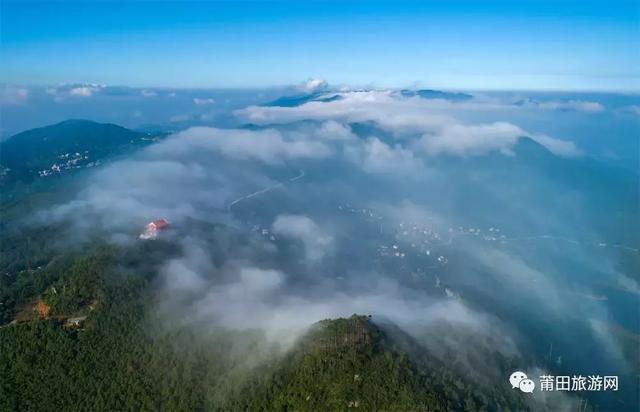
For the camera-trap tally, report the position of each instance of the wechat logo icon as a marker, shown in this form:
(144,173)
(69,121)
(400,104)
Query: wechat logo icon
(520,380)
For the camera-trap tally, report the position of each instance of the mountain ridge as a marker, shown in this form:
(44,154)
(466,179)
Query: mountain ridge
(64,146)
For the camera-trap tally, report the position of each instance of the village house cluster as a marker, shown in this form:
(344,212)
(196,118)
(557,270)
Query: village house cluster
(68,161)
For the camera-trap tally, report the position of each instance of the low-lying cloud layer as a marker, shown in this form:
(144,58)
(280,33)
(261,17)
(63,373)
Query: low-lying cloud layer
(406,117)
(269,146)
(374,203)
(575,105)
(302,228)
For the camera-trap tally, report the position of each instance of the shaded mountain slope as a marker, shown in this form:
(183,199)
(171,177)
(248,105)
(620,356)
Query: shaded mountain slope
(353,364)
(72,144)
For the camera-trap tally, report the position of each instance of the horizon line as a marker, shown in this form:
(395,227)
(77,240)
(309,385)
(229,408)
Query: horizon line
(330,88)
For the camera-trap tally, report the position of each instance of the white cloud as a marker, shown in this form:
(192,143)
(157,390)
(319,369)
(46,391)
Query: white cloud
(566,105)
(269,146)
(58,97)
(64,90)
(203,101)
(557,146)
(83,91)
(394,114)
(465,140)
(189,267)
(633,109)
(332,130)
(375,156)
(470,140)
(13,95)
(148,93)
(317,243)
(260,281)
(258,298)
(313,85)
(401,116)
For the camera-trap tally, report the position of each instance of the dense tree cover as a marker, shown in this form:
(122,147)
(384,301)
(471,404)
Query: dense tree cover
(35,254)
(28,266)
(341,366)
(116,360)
(110,363)
(351,364)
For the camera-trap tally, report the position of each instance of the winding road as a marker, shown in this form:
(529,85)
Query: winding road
(265,190)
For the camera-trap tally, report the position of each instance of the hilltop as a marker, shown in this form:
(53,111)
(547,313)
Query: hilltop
(65,146)
(355,364)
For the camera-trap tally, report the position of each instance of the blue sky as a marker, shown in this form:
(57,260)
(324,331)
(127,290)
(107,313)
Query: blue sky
(534,45)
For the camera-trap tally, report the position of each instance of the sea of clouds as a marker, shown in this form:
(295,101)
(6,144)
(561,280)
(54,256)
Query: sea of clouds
(408,158)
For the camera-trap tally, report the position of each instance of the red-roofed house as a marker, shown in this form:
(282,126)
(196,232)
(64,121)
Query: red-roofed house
(151,231)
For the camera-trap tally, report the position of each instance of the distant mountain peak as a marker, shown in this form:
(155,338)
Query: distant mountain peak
(436,94)
(302,98)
